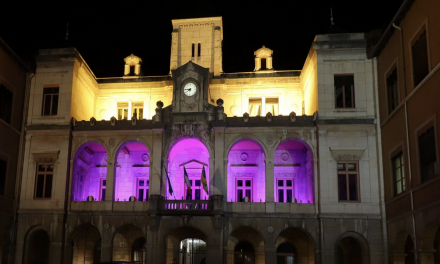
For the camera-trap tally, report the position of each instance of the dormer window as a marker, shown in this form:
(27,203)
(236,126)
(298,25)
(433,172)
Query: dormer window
(132,65)
(263,59)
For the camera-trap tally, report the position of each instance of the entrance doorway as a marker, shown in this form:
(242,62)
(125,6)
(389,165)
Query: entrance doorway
(192,251)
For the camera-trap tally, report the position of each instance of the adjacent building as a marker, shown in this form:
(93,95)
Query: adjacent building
(203,166)
(14,87)
(408,77)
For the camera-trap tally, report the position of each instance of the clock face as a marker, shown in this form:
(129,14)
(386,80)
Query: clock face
(190,89)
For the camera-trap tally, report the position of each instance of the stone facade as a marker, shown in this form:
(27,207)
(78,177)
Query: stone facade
(271,149)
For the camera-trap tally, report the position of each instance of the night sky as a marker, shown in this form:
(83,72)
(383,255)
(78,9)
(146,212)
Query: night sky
(105,34)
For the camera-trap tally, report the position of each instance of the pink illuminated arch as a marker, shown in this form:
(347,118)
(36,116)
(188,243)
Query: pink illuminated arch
(293,172)
(193,155)
(89,172)
(246,172)
(132,172)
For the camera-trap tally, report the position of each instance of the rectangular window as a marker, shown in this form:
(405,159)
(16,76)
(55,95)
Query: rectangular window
(138,110)
(103,187)
(43,183)
(50,101)
(398,173)
(285,189)
(196,187)
(123,111)
(143,189)
(344,91)
(3,170)
(243,190)
(427,155)
(5,104)
(393,93)
(420,59)
(348,175)
(261,106)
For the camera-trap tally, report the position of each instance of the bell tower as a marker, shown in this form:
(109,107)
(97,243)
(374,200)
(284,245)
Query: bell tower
(198,40)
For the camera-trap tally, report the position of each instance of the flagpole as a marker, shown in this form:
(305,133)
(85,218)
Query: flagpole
(168,178)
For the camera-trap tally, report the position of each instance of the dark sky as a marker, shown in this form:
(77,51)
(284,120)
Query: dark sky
(106,33)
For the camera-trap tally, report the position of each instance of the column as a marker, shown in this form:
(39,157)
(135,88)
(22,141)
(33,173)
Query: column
(156,163)
(257,64)
(219,172)
(269,63)
(214,248)
(263,106)
(126,69)
(244,104)
(211,181)
(270,254)
(269,180)
(130,109)
(110,179)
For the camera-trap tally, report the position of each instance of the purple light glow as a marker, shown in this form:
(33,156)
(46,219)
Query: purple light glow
(89,172)
(192,154)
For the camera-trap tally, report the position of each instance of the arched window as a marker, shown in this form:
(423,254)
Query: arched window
(139,250)
(286,254)
(199,49)
(192,53)
(244,253)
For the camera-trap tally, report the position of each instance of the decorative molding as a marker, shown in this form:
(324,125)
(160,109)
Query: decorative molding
(51,156)
(340,154)
(244,156)
(244,174)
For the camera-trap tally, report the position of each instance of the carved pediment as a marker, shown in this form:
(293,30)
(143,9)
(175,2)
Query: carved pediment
(51,156)
(340,154)
(263,52)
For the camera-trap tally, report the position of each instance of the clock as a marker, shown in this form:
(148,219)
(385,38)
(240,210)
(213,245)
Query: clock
(190,89)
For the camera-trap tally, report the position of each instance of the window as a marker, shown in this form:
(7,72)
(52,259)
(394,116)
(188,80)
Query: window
(138,110)
(102,188)
(123,111)
(344,91)
(196,187)
(3,170)
(43,183)
(50,101)
(393,93)
(398,173)
(199,50)
(5,104)
(143,188)
(348,181)
(260,106)
(420,59)
(284,190)
(244,190)
(427,155)
(192,50)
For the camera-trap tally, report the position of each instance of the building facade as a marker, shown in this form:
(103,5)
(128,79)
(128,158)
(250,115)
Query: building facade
(14,88)
(202,166)
(408,63)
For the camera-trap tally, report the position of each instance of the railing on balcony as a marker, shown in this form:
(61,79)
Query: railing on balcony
(186,205)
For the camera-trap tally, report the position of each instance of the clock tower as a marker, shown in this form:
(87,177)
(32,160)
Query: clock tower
(198,40)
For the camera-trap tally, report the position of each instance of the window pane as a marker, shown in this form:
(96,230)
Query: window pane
(248,183)
(281,196)
(352,181)
(46,107)
(197,182)
(239,183)
(398,174)
(342,186)
(141,182)
(427,152)
(289,195)
(339,97)
(102,194)
(141,195)
(280,183)
(351,166)
(41,167)
(40,186)
(248,194)
(104,182)
(239,195)
(54,104)
(141,113)
(420,59)
(50,167)
(341,166)
(48,188)
(147,193)
(197,194)
(289,183)
(398,187)
(348,96)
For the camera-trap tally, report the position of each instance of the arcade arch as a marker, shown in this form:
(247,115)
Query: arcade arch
(128,242)
(38,247)
(86,244)
(352,247)
(132,172)
(192,156)
(241,240)
(89,173)
(246,172)
(293,172)
(301,249)
(186,245)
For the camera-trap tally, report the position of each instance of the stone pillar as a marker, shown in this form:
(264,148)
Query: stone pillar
(130,109)
(219,172)
(211,183)
(106,250)
(54,252)
(257,64)
(110,179)
(127,69)
(269,63)
(270,254)
(263,106)
(137,69)
(270,197)
(155,247)
(156,164)
(426,256)
(214,248)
